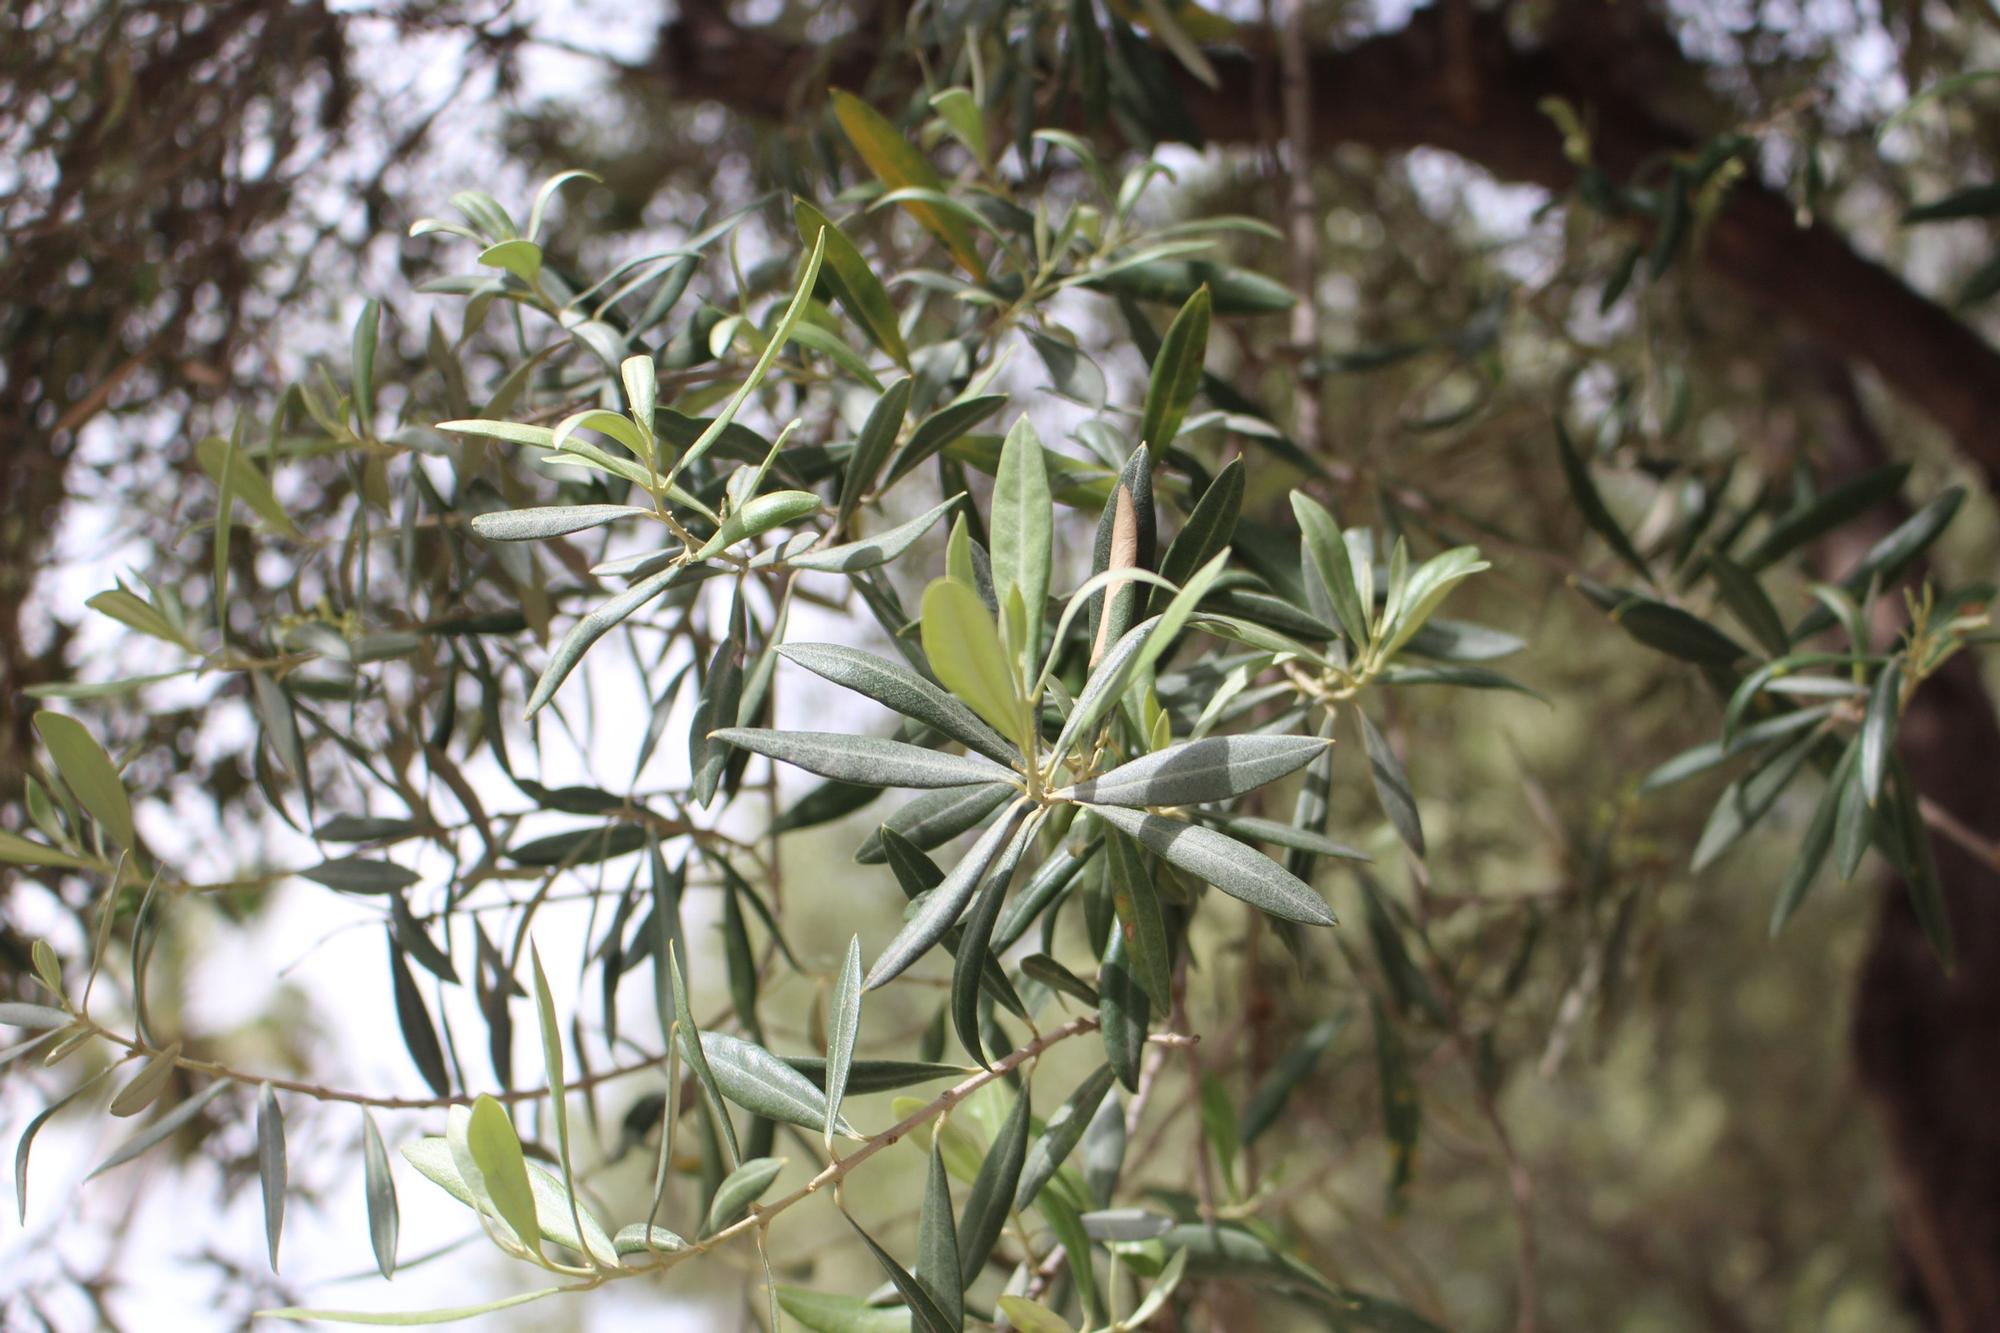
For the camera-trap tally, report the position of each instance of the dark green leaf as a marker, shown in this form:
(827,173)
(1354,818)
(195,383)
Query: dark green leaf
(1590,503)
(1060,1136)
(992,1194)
(1176,374)
(938,1271)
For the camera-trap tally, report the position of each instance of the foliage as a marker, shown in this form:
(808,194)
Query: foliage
(1120,675)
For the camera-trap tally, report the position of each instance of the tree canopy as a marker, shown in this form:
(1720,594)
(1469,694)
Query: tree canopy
(1040,665)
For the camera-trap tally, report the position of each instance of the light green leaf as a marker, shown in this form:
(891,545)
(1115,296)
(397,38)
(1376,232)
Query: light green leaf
(1022,529)
(503,1172)
(1030,1317)
(741,1188)
(234,472)
(162,1129)
(413,1318)
(1327,549)
(522,258)
(825,1313)
(20,851)
(90,774)
(963,647)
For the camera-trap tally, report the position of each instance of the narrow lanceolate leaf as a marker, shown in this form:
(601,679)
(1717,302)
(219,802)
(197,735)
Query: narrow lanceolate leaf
(868,552)
(533,525)
(963,647)
(1022,529)
(380,1185)
(899,166)
(760,1082)
(1825,513)
(1060,1136)
(741,1188)
(1590,503)
(552,1065)
(20,1014)
(1137,902)
(19,851)
(145,1086)
(871,760)
(694,1049)
(1750,603)
(974,945)
(271,1171)
(872,446)
(89,772)
(1276,1089)
(925,1316)
(940,911)
(410,1318)
(843,1024)
(895,686)
(1919,868)
(992,1196)
(823,1312)
(938,1266)
(854,284)
(1193,772)
(1207,532)
(1026,1316)
(1813,847)
(361,874)
(26,1144)
(1392,786)
(1176,373)
(164,1128)
(865,1076)
(1217,859)
(1886,560)
(415,1021)
(496,1151)
(936,817)
(1878,730)
(1327,550)
(595,626)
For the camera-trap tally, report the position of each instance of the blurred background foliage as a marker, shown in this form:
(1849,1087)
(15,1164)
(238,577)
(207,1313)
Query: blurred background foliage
(1671,1123)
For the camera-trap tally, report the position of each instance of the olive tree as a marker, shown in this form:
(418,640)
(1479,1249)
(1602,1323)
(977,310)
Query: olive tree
(1125,673)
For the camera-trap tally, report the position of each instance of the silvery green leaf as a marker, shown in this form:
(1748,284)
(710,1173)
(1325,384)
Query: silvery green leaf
(843,1025)
(1878,729)
(1126,1224)
(164,1128)
(410,1318)
(870,760)
(895,686)
(596,625)
(639,1238)
(19,1014)
(936,817)
(941,909)
(1240,871)
(34,1127)
(741,1188)
(145,1085)
(383,1215)
(760,1082)
(1194,772)
(432,1158)
(271,1167)
(533,525)
(868,552)
(1060,1136)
